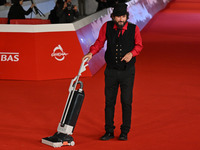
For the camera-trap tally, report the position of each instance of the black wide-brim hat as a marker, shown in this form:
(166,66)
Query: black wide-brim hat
(120,9)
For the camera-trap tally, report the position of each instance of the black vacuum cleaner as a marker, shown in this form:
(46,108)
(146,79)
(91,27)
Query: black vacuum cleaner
(65,129)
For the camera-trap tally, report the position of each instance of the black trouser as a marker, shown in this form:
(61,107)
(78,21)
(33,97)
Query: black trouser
(113,79)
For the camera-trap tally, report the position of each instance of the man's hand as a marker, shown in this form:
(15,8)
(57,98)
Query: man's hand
(88,55)
(75,8)
(65,5)
(33,5)
(127,57)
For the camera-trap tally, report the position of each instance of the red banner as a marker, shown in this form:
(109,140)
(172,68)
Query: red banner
(40,56)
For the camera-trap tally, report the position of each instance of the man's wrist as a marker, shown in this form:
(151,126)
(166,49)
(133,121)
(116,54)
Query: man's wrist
(131,54)
(90,54)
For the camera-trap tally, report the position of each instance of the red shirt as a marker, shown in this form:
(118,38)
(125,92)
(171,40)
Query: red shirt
(99,44)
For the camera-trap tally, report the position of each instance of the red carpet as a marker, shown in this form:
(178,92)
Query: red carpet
(166,106)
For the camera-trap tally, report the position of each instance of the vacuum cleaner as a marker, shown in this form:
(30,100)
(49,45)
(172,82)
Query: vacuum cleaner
(63,136)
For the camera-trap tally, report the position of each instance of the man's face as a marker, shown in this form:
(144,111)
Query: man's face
(120,20)
(21,2)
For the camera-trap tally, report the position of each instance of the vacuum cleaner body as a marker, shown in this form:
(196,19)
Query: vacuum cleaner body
(69,119)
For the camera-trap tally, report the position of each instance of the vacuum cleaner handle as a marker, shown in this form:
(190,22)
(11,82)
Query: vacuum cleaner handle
(83,67)
(75,80)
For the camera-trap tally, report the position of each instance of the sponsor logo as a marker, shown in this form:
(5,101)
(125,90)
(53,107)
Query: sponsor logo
(58,53)
(9,56)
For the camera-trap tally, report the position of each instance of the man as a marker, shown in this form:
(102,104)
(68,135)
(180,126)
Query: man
(53,17)
(123,44)
(67,12)
(17,11)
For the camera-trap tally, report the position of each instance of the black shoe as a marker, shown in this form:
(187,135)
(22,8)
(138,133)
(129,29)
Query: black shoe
(107,136)
(123,137)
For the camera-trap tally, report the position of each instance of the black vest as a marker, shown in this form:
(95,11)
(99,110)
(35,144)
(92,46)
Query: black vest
(118,47)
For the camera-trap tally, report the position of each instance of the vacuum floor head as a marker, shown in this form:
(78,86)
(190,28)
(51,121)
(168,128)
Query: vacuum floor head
(58,140)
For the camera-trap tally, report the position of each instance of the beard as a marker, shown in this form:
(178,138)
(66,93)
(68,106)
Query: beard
(120,24)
